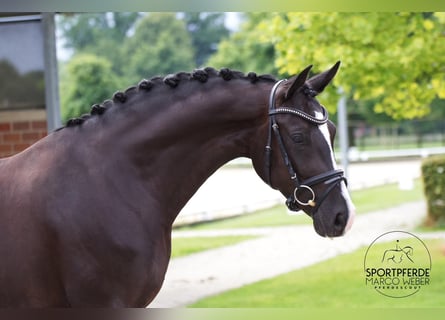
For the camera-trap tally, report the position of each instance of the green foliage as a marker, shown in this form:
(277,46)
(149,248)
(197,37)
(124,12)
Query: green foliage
(137,46)
(433,174)
(115,50)
(88,79)
(247,50)
(159,46)
(206,31)
(84,31)
(100,34)
(395,60)
(108,35)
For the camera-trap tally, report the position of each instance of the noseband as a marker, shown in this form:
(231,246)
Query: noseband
(330,178)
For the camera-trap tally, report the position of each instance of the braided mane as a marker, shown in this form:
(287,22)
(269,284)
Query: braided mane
(173,81)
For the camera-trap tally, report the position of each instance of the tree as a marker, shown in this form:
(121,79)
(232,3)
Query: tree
(135,45)
(88,79)
(206,30)
(84,31)
(159,46)
(243,50)
(101,34)
(395,60)
(107,34)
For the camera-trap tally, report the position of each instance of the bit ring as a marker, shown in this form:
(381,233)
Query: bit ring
(310,202)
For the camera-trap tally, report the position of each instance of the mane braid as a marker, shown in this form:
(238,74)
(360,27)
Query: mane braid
(226,74)
(145,85)
(97,110)
(120,96)
(199,75)
(173,81)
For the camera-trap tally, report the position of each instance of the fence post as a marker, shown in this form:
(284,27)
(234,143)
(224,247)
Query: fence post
(51,76)
(342,115)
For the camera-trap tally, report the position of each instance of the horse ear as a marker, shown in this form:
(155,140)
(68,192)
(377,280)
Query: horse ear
(297,82)
(320,81)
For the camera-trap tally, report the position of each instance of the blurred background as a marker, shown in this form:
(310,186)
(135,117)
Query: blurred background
(388,102)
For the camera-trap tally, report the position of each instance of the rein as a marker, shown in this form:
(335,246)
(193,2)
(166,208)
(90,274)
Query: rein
(330,178)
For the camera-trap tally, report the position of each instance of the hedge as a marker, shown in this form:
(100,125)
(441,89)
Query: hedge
(433,174)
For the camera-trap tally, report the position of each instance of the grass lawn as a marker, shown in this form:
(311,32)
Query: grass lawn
(337,282)
(381,197)
(366,200)
(185,246)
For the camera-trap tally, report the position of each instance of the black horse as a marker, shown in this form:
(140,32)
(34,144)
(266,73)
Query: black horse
(86,213)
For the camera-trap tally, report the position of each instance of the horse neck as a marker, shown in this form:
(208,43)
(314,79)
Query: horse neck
(176,144)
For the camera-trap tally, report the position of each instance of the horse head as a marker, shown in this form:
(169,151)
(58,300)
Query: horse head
(299,159)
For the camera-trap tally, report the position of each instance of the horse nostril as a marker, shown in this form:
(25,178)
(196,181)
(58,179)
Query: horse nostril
(340,221)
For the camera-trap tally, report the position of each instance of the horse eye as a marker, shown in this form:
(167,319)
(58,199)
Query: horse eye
(298,138)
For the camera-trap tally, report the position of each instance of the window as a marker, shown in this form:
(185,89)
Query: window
(22,83)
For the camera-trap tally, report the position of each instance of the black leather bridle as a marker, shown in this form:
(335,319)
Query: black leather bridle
(330,178)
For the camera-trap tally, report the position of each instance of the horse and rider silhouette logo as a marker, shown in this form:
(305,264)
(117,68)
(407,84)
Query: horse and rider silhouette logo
(399,254)
(397,264)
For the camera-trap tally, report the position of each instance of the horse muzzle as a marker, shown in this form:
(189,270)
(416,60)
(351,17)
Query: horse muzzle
(331,223)
(304,197)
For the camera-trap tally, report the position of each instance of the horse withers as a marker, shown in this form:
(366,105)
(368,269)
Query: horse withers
(87,212)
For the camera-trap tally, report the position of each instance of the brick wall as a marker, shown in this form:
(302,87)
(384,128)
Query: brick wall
(16,136)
